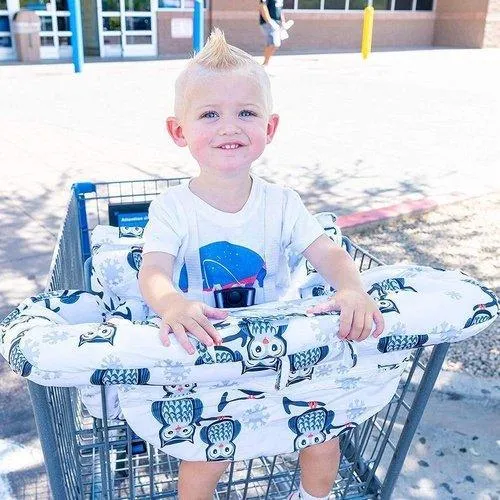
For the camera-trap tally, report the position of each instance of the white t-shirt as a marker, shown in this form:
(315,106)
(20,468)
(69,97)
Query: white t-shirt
(231,245)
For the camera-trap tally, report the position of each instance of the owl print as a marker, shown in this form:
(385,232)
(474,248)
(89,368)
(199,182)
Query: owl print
(131,231)
(265,344)
(401,342)
(302,364)
(311,427)
(17,360)
(105,332)
(386,286)
(219,436)
(179,390)
(178,418)
(222,354)
(120,376)
(134,258)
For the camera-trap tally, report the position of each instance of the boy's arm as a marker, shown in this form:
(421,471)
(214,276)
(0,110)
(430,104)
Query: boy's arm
(155,280)
(179,315)
(357,309)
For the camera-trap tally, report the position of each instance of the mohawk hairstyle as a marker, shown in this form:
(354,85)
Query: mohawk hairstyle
(218,56)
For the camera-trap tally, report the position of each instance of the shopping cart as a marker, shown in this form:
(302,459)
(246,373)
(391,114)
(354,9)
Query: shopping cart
(102,459)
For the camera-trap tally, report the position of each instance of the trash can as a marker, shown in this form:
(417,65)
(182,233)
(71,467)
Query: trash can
(26,28)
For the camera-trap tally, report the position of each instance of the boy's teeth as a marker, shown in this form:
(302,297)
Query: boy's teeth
(229,146)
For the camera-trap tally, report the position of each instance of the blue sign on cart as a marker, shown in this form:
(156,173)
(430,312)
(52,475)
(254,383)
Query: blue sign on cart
(132,225)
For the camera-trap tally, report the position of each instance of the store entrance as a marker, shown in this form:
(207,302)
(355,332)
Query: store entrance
(127,28)
(55,33)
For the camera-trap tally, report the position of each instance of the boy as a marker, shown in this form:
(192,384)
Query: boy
(229,228)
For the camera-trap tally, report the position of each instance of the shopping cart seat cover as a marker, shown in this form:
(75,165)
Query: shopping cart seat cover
(282,380)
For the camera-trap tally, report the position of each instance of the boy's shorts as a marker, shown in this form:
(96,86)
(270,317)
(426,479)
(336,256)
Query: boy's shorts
(273,36)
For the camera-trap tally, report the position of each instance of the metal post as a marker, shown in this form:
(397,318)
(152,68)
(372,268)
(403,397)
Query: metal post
(75,23)
(414,415)
(46,432)
(198,25)
(79,190)
(366,38)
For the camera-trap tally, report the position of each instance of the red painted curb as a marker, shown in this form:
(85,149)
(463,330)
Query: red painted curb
(403,208)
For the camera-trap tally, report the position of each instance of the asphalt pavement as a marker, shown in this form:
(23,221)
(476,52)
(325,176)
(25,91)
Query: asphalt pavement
(409,128)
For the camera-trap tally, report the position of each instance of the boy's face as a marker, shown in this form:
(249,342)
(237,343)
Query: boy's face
(225,122)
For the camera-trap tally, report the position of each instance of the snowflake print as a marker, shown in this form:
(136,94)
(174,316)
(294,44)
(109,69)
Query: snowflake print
(173,371)
(453,295)
(256,417)
(398,329)
(342,369)
(412,271)
(31,349)
(45,374)
(322,336)
(356,408)
(53,337)
(322,371)
(447,332)
(349,383)
(112,271)
(111,361)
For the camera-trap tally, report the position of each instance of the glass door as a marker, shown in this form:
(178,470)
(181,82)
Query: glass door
(6,42)
(126,28)
(55,33)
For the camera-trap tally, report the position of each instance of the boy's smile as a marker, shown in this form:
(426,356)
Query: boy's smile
(226,123)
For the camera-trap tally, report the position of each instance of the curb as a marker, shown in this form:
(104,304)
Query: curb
(364,218)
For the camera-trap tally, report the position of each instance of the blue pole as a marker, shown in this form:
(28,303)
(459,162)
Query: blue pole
(75,23)
(198,25)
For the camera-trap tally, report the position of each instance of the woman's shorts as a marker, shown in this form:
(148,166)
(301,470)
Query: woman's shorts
(273,36)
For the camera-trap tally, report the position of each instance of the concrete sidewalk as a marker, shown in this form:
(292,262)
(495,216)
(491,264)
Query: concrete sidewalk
(402,129)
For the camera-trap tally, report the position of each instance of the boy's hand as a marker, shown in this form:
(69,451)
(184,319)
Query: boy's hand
(358,312)
(183,315)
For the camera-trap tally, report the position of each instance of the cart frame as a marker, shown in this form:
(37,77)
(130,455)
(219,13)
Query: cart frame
(86,458)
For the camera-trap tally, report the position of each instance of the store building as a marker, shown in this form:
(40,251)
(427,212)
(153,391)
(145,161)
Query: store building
(149,28)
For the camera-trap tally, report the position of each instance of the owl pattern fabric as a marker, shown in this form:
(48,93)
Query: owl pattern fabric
(281,381)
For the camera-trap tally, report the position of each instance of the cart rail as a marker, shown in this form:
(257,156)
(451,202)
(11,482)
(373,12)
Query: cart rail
(93,458)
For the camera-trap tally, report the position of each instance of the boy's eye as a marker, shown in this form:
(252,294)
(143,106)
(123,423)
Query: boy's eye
(209,114)
(246,112)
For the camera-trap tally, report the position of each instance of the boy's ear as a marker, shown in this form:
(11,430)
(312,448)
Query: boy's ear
(272,125)
(174,129)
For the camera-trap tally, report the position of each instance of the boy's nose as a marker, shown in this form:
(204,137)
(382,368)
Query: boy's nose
(229,128)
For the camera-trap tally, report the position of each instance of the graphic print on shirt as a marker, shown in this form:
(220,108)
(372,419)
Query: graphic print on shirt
(224,265)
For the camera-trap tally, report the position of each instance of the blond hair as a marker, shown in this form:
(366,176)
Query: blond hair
(218,56)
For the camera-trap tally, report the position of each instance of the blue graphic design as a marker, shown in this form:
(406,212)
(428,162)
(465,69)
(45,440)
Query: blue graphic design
(220,436)
(178,418)
(225,265)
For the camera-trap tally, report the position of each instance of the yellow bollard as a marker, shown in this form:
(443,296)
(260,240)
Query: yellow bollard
(366,41)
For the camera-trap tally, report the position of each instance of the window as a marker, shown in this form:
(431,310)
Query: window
(335,4)
(309,4)
(403,4)
(179,4)
(329,5)
(45,23)
(424,4)
(5,41)
(4,23)
(63,23)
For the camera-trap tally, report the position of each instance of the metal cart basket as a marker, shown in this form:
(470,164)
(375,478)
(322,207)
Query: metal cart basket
(103,459)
